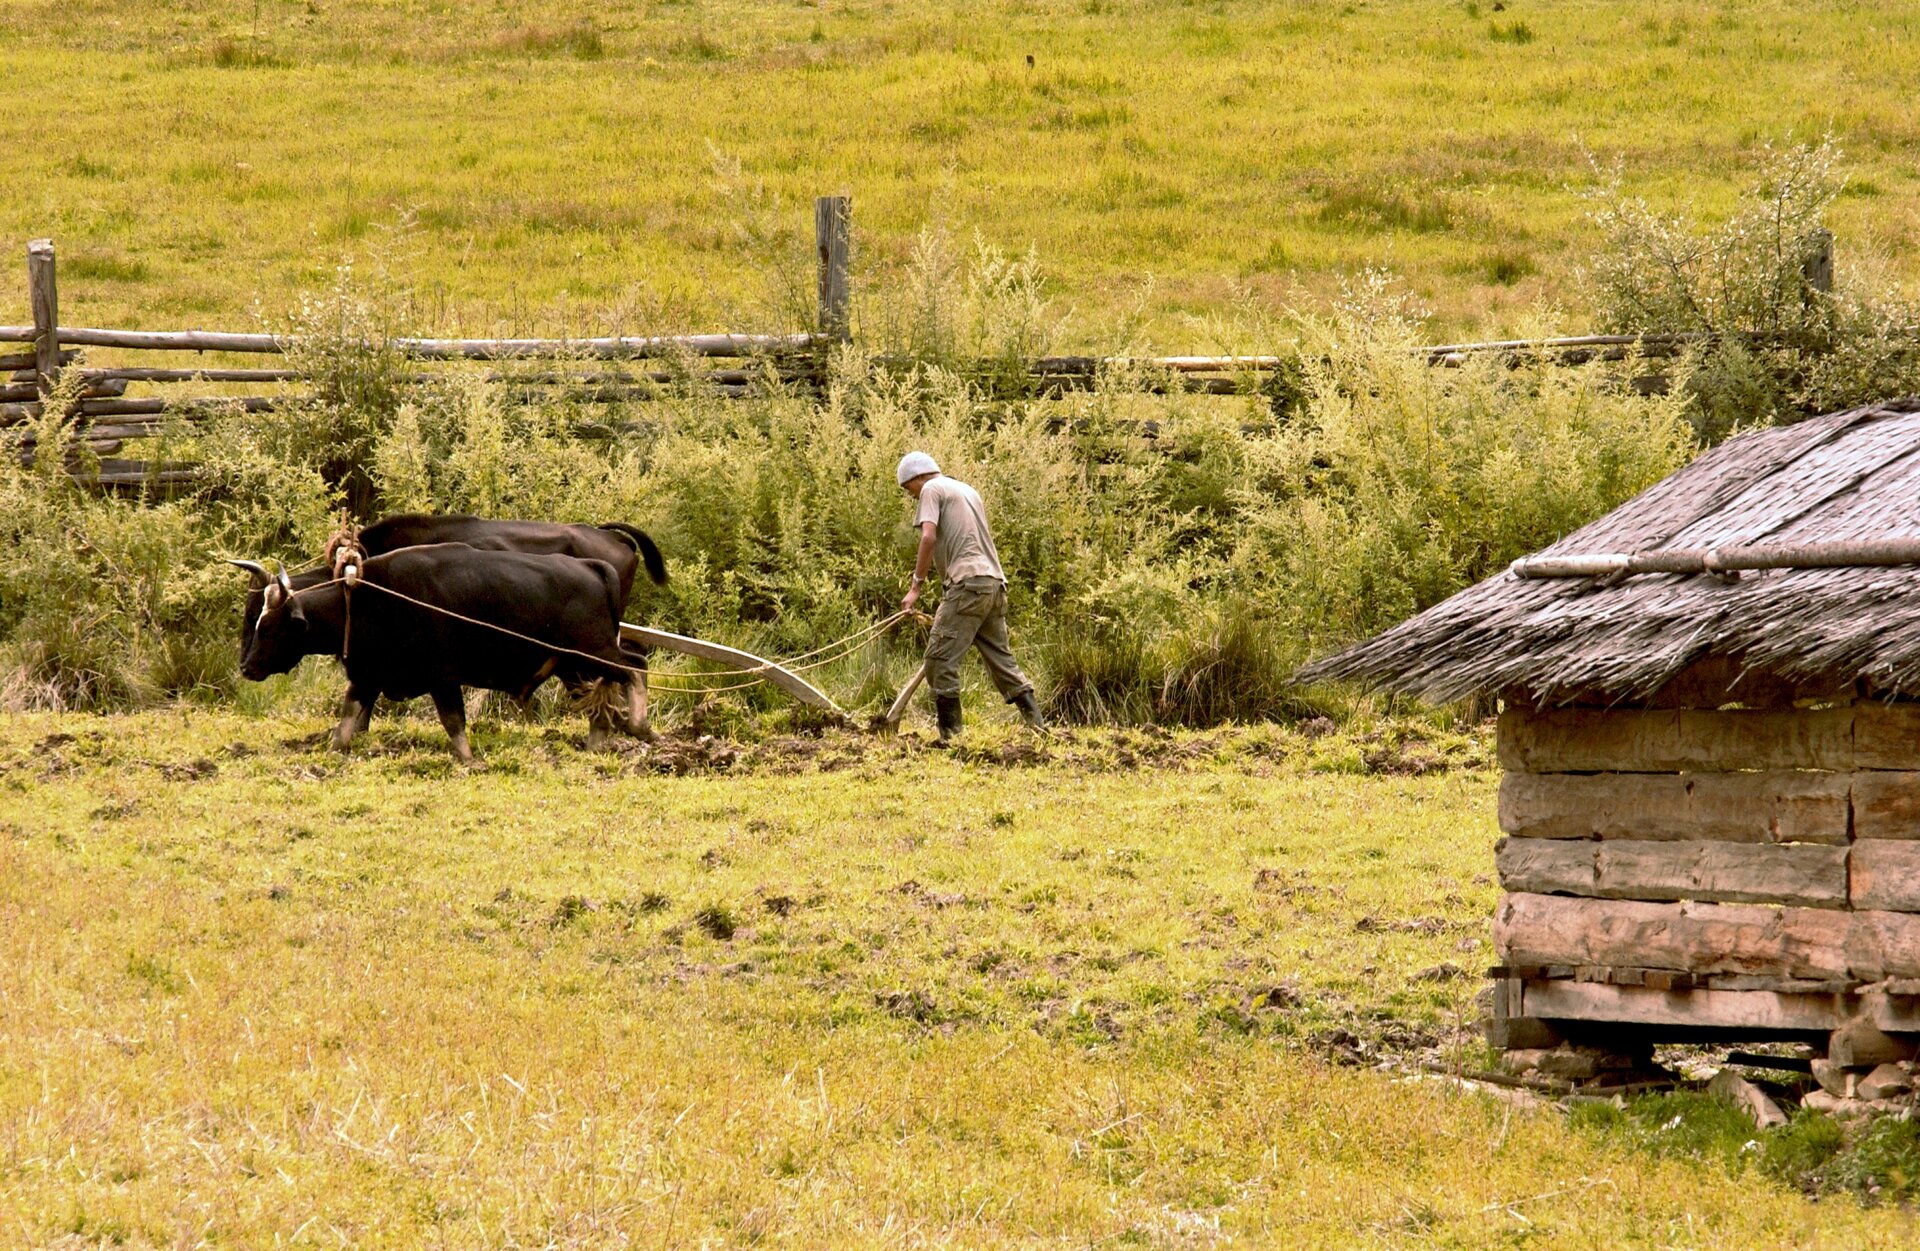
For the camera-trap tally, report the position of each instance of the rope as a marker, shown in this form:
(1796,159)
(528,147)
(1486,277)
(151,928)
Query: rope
(848,645)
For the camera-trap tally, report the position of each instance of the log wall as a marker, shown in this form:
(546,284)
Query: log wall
(1662,862)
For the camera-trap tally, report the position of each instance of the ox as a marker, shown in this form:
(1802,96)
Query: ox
(623,546)
(402,650)
(620,545)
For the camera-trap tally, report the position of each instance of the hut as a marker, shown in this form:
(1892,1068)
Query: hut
(1709,733)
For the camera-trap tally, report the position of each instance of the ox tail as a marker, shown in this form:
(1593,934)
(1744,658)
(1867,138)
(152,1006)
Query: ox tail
(649,553)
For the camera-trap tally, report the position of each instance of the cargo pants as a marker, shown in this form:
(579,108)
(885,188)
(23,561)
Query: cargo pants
(973,613)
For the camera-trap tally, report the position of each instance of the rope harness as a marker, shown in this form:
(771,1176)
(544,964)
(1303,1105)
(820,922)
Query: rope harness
(347,577)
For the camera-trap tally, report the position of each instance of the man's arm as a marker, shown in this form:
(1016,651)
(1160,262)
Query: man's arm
(922,562)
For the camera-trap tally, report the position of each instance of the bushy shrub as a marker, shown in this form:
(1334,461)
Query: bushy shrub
(1396,483)
(102,603)
(1773,345)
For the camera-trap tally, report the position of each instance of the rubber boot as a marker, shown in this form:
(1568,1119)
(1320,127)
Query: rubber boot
(1030,711)
(947,709)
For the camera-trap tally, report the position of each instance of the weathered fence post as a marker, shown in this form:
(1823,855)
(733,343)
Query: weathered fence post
(1817,266)
(46,312)
(832,231)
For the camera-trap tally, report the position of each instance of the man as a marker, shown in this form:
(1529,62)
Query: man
(973,607)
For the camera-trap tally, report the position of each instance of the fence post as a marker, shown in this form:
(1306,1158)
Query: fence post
(46,313)
(1817,267)
(832,231)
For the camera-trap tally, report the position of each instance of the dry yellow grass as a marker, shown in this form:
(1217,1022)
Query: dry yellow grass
(255,994)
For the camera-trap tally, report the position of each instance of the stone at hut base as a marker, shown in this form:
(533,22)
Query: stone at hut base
(1888,1081)
(1571,1062)
(1522,1060)
(1860,1044)
(1835,1079)
(1746,1096)
(1832,1105)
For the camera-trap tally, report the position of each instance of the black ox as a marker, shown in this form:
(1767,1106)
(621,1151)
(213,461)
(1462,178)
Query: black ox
(619,544)
(391,647)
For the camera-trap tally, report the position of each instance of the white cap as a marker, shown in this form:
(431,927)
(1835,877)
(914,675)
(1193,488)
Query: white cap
(913,464)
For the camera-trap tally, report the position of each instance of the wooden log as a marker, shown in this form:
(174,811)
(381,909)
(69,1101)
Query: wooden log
(1886,736)
(1506,1026)
(1784,985)
(27,364)
(1589,740)
(172,340)
(1885,875)
(193,405)
(1892,1013)
(114,472)
(833,239)
(41,290)
(1883,945)
(22,392)
(614,395)
(1885,804)
(129,374)
(1058,383)
(1698,938)
(436,349)
(1816,263)
(1779,806)
(612,348)
(1808,874)
(1087,365)
(1756,1010)
(1709,938)
(736,377)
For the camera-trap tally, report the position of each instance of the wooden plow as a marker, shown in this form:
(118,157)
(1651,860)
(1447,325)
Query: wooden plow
(784,674)
(743,662)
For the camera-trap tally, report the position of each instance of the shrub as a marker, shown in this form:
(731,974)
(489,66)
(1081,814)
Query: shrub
(102,603)
(1396,483)
(1775,347)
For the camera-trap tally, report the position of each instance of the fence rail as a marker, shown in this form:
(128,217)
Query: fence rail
(107,418)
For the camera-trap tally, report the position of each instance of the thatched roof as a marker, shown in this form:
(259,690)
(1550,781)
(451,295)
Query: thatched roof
(1848,476)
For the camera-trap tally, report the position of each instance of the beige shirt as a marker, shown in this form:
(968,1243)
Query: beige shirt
(962,544)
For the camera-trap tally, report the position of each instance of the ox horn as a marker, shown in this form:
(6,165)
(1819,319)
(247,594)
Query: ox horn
(286,583)
(253,567)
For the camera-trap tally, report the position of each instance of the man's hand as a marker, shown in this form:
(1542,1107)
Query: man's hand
(911,598)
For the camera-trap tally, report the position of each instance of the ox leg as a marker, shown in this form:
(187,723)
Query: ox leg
(599,700)
(356,714)
(452,707)
(590,696)
(639,721)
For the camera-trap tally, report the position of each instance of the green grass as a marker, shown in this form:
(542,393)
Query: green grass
(840,991)
(556,162)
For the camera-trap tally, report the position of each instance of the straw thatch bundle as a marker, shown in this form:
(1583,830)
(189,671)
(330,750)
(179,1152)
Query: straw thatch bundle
(1843,478)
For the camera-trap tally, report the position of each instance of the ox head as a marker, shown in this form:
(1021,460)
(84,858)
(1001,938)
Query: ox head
(273,633)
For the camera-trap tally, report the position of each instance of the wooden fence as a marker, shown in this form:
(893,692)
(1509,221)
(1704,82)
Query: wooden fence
(600,370)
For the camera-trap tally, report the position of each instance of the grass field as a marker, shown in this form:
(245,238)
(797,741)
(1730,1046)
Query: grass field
(558,159)
(1123,989)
